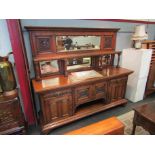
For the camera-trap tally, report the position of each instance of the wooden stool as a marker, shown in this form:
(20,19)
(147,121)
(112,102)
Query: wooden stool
(111,126)
(145,116)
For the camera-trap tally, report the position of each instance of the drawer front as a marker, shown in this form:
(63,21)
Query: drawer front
(57,93)
(83,94)
(100,90)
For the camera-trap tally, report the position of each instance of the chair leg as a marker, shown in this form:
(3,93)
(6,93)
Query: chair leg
(133,129)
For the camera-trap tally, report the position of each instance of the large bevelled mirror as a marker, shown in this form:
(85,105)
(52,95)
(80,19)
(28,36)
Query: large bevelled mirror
(77,43)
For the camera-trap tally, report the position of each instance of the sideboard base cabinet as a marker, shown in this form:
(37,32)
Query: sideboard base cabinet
(81,113)
(64,105)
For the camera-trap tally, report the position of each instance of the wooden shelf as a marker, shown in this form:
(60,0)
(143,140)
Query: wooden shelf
(67,55)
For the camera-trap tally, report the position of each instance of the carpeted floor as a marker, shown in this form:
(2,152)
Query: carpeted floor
(127,119)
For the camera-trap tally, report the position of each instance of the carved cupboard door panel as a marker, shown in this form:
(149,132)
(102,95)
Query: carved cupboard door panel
(108,41)
(57,108)
(117,89)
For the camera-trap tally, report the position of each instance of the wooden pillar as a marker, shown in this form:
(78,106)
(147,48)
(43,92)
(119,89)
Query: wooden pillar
(21,67)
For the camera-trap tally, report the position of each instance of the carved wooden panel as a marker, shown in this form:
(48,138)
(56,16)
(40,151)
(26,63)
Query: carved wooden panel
(43,44)
(57,105)
(117,88)
(108,42)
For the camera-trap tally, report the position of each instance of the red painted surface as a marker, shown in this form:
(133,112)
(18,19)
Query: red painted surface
(125,20)
(16,42)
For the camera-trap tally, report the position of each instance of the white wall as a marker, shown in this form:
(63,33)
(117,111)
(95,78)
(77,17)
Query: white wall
(5,45)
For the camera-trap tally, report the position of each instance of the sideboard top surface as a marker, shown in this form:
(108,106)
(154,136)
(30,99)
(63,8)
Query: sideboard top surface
(60,81)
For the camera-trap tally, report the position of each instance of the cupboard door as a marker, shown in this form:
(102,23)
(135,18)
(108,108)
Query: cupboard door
(108,40)
(83,94)
(57,108)
(100,90)
(117,88)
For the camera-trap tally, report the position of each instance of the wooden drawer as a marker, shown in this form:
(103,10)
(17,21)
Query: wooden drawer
(88,93)
(83,94)
(100,90)
(57,93)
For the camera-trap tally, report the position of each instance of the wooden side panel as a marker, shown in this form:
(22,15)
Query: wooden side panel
(150,88)
(151,77)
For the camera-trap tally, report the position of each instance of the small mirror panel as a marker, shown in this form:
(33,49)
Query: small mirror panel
(78,63)
(48,67)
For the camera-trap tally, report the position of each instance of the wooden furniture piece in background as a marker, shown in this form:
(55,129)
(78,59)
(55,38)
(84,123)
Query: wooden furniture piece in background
(145,116)
(11,116)
(110,126)
(150,87)
(62,98)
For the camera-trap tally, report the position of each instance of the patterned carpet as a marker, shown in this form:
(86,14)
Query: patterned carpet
(127,119)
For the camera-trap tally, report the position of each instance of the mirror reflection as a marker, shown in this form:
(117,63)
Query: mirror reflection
(47,67)
(77,43)
(78,63)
